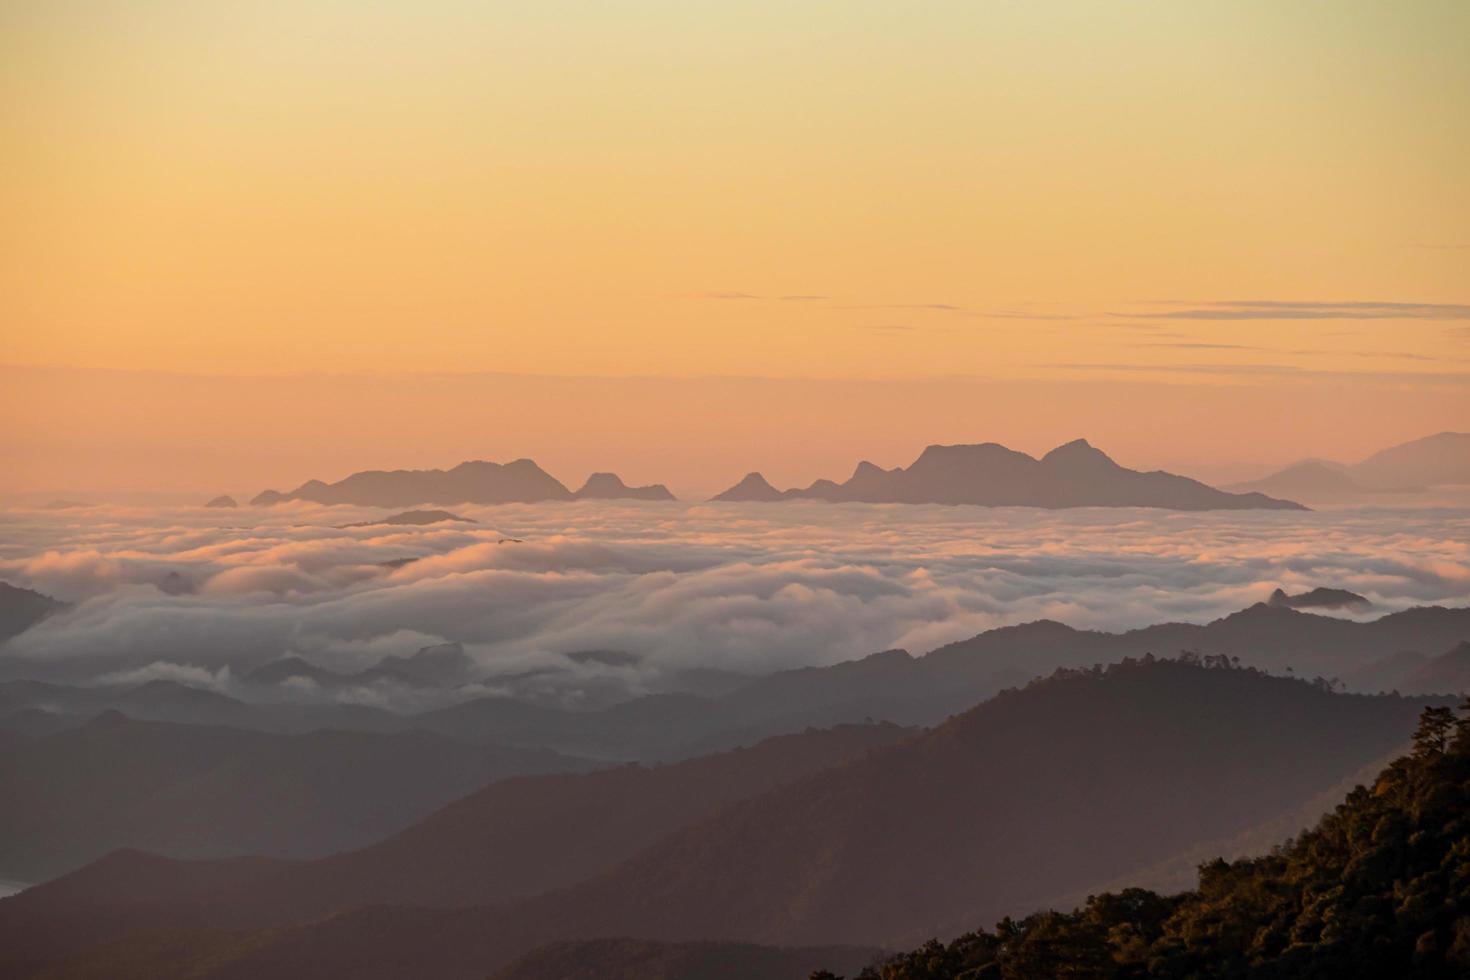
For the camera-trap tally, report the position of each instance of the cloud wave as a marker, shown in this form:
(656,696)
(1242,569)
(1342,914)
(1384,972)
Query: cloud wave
(740,587)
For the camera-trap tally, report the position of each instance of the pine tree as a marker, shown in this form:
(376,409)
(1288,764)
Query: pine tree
(1433,734)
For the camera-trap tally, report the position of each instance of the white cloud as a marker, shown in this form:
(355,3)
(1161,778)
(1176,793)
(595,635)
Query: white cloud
(746,587)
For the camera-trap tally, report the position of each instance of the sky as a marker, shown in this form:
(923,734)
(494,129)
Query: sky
(248,244)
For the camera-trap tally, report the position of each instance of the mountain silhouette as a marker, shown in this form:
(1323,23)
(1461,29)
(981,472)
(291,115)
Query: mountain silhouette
(223,500)
(1432,461)
(20,609)
(1435,460)
(1000,807)
(175,583)
(473,482)
(212,791)
(293,667)
(889,686)
(609,486)
(1386,673)
(520,837)
(752,486)
(1072,475)
(924,690)
(1448,673)
(169,701)
(441,665)
(1319,599)
(1079,778)
(1310,479)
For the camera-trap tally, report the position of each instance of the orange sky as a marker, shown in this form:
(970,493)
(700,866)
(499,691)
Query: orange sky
(1200,234)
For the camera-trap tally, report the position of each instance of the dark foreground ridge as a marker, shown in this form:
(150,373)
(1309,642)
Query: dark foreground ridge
(989,474)
(997,812)
(641,959)
(20,609)
(1380,888)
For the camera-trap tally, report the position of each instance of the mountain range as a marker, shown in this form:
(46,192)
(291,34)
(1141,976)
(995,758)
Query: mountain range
(472,482)
(521,837)
(715,713)
(1023,798)
(895,686)
(1073,475)
(989,474)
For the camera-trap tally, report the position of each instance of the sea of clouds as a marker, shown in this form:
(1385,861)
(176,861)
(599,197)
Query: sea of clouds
(202,596)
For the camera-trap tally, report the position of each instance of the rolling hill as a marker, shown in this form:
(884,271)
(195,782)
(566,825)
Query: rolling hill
(212,791)
(1072,780)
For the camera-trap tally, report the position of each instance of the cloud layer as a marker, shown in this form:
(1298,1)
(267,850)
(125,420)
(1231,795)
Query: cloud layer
(187,593)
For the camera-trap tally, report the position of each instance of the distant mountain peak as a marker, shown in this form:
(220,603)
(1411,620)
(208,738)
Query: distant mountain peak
(1077,453)
(223,500)
(938,453)
(600,481)
(1440,459)
(443,664)
(610,486)
(1319,599)
(752,486)
(175,584)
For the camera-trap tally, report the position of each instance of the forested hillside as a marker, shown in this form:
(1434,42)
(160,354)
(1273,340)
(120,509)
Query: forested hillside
(1380,888)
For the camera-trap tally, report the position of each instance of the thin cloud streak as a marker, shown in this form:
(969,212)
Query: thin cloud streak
(1281,371)
(938,307)
(1302,352)
(1293,310)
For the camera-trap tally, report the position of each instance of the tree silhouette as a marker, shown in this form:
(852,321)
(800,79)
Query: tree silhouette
(1433,734)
